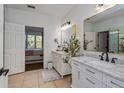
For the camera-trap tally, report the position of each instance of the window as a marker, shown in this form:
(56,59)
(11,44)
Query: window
(38,42)
(30,41)
(33,41)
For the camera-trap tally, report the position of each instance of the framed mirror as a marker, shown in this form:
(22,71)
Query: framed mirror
(66,34)
(104,32)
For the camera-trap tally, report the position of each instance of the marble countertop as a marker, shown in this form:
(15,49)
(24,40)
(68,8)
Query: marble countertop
(114,70)
(58,52)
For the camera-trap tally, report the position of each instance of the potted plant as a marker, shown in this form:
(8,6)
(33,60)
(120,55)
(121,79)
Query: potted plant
(71,48)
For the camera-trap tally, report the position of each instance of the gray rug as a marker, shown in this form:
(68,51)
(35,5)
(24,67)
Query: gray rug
(50,75)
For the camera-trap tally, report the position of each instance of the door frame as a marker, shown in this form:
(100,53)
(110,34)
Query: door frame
(35,39)
(107,40)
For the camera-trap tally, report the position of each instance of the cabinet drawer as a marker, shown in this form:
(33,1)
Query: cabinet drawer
(114,83)
(94,73)
(92,82)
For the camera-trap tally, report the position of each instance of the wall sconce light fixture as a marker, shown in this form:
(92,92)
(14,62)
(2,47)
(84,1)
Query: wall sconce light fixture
(99,6)
(66,25)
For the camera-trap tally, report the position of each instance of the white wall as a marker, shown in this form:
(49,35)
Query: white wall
(49,23)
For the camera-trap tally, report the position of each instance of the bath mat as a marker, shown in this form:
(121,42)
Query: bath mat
(50,75)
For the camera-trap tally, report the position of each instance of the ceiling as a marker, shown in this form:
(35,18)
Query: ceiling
(58,10)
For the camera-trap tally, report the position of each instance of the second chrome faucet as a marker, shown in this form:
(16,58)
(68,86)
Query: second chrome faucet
(102,57)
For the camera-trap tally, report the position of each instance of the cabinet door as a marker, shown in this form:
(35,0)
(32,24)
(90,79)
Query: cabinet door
(65,68)
(59,61)
(76,76)
(54,59)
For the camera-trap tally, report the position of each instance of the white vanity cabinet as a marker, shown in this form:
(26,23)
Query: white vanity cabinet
(61,67)
(84,76)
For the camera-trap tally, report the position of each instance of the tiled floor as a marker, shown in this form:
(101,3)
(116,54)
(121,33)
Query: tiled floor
(33,79)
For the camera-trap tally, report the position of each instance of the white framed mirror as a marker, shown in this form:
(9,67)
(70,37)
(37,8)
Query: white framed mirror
(104,32)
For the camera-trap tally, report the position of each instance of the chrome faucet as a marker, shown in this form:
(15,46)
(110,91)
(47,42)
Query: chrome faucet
(113,60)
(102,56)
(107,57)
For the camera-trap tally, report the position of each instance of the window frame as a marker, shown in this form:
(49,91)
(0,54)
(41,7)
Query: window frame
(26,47)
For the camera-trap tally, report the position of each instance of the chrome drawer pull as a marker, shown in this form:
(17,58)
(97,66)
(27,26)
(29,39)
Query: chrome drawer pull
(116,84)
(90,81)
(90,71)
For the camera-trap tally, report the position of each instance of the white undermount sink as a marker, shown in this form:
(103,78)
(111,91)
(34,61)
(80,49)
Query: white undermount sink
(113,67)
(103,64)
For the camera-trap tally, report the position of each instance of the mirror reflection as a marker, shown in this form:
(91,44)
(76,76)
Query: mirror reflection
(104,32)
(66,34)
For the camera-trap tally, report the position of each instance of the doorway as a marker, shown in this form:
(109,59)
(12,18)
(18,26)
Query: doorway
(103,41)
(33,48)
